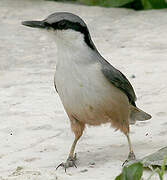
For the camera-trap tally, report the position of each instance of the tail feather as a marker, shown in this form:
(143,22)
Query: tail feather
(138,115)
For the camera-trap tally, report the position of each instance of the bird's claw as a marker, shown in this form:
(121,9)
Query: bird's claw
(70,162)
(131,157)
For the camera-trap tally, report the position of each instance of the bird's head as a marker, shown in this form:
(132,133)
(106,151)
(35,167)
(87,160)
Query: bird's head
(65,26)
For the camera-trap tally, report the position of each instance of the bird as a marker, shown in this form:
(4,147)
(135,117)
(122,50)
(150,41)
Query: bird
(92,91)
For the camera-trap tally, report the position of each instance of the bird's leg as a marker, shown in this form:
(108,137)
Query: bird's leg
(77,128)
(131,155)
(70,162)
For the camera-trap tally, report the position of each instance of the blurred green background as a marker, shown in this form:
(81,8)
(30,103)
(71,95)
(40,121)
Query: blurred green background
(133,4)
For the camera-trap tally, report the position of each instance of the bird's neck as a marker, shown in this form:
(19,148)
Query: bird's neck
(72,41)
(71,48)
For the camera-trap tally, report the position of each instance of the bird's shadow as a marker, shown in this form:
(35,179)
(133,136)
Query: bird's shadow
(103,155)
(110,154)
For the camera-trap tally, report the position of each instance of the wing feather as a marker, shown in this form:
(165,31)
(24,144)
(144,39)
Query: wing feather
(119,80)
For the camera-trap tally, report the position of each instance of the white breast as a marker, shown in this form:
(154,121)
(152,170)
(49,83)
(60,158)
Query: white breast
(82,87)
(79,81)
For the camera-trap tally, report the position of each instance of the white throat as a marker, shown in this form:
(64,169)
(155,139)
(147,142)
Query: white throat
(71,48)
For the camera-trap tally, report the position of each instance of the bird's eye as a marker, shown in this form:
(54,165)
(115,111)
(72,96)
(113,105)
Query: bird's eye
(62,25)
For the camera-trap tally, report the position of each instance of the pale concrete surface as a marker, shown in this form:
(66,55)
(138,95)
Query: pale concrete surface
(35,133)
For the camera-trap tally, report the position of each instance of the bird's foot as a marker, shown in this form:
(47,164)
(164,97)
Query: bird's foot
(131,157)
(70,162)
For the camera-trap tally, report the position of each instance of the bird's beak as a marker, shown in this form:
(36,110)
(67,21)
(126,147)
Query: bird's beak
(34,24)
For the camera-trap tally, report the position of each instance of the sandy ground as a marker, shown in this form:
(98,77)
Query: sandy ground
(35,132)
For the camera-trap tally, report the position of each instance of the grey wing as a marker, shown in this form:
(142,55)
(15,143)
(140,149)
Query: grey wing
(119,80)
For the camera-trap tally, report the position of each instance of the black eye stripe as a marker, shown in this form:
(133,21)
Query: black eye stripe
(76,26)
(65,24)
(47,25)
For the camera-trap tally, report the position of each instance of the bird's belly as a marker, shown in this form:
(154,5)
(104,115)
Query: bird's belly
(89,97)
